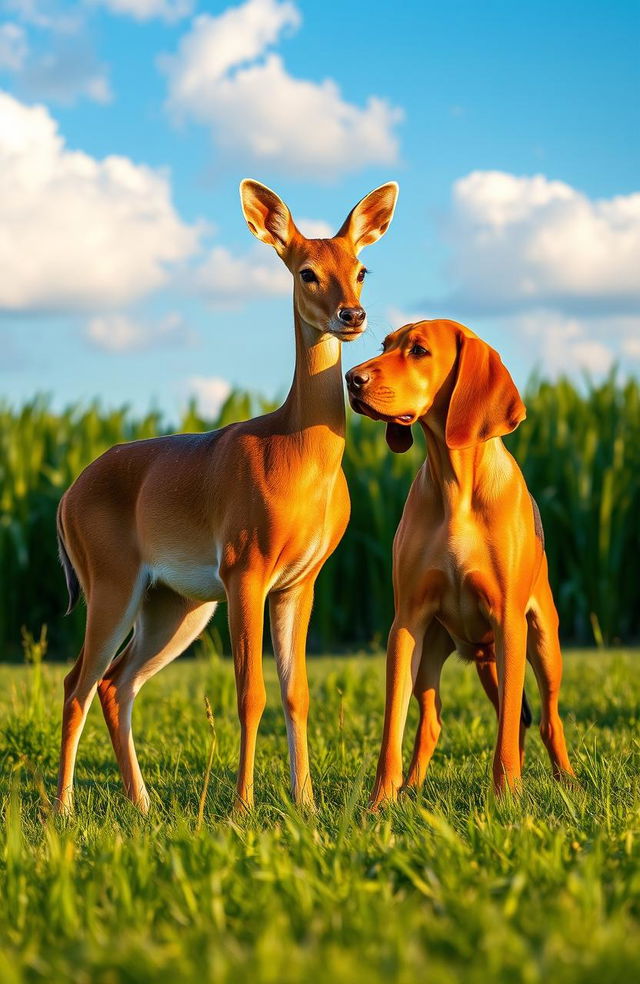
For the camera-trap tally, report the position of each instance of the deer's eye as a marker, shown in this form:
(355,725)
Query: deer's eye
(362,274)
(308,276)
(418,350)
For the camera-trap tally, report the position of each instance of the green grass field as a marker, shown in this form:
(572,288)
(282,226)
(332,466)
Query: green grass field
(447,887)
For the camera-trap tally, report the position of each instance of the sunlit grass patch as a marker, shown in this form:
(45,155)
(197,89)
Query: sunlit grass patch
(448,885)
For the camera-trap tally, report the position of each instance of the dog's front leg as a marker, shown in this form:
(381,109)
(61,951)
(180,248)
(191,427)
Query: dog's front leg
(511,654)
(404,652)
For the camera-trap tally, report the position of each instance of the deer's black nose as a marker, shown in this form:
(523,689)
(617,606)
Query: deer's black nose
(356,378)
(353,317)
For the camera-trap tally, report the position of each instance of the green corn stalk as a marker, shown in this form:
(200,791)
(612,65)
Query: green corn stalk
(579,449)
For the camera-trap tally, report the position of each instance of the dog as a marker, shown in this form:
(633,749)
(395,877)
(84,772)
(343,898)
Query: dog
(469,566)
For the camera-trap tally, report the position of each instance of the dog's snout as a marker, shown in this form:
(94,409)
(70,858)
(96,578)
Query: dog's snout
(352,316)
(357,378)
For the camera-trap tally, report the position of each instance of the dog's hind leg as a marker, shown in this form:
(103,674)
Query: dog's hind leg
(545,656)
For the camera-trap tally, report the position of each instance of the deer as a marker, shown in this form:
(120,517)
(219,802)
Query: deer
(156,533)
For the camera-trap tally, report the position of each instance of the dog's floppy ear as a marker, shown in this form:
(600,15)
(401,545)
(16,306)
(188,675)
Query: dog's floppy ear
(370,218)
(399,437)
(267,216)
(485,402)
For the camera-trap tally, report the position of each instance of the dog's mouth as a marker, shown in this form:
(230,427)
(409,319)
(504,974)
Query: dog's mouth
(364,408)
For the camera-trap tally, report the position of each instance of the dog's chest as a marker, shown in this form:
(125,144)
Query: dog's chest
(460,556)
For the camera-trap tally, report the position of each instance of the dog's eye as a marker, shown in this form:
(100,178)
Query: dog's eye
(362,274)
(308,276)
(418,350)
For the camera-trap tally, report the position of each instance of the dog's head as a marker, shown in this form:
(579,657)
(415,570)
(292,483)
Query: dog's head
(440,370)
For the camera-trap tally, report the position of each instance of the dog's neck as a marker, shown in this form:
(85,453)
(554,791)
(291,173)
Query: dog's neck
(464,477)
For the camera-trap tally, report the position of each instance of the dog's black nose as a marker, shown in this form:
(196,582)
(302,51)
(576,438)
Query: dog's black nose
(356,379)
(352,316)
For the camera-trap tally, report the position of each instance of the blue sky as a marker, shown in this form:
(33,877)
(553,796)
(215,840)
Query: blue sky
(126,126)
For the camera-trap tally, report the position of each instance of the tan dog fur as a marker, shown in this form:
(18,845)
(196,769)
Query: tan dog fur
(469,567)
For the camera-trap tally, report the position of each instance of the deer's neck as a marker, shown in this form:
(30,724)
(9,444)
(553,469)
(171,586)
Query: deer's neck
(315,404)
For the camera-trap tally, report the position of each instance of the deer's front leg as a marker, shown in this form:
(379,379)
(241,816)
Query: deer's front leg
(246,598)
(511,655)
(290,612)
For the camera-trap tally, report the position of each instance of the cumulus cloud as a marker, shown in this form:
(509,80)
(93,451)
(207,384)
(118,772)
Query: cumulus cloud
(47,14)
(398,317)
(225,76)
(556,343)
(57,62)
(564,344)
(121,333)
(144,10)
(13,47)
(209,392)
(226,279)
(66,73)
(523,242)
(76,232)
(315,228)
(543,264)
(631,345)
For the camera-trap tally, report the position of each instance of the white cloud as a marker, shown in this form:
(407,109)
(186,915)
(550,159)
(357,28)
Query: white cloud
(523,242)
(552,269)
(75,232)
(209,392)
(631,345)
(13,47)
(564,344)
(224,76)
(398,317)
(560,344)
(65,73)
(58,62)
(226,279)
(47,14)
(315,228)
(118,333)
(143,10)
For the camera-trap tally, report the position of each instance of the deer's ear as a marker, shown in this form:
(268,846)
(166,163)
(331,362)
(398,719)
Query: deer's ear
(485,402)
(370,218)
(399,437)
(267,216)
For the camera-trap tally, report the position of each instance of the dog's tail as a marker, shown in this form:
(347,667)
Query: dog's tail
(70,576)
(525,713)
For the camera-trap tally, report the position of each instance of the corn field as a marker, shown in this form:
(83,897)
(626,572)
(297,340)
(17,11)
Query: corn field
(579,449)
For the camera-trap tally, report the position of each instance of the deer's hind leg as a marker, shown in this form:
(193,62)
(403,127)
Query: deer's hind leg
(166,624)
(112,605)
